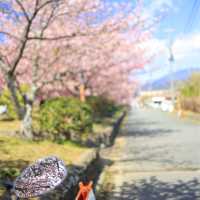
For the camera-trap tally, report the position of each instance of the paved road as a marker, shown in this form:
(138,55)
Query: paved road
(159,160)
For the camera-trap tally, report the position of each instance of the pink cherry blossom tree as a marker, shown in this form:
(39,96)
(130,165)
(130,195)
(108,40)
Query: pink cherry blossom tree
(34,32)
(57,46)
(105,61)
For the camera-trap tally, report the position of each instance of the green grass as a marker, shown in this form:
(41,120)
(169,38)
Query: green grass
(16,154)
(12,148)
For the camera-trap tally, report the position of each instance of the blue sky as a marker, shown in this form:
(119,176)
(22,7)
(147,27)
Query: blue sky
(174,26)
(178,26)
(177,18)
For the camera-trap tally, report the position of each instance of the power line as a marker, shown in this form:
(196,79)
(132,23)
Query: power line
(193,15)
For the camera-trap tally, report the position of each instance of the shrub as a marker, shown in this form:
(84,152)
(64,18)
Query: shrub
(102,107)
(63,117)
(5,99)
(8,172)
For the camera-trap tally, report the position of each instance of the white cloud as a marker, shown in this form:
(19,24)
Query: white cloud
(186,46)
(183,47)
(155,46)
(158,6)
(186,50)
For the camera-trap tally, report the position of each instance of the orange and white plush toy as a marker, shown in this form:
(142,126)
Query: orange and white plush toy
(85,192)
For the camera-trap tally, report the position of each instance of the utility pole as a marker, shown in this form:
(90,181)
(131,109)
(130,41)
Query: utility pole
(171,66)
(150,81)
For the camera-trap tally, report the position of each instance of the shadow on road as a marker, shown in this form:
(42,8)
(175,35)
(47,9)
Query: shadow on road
(147,132)
(154,189)
(141,122)
(142,128)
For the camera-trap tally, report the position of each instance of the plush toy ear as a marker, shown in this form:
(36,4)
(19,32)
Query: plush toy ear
(81,184)
(91,184)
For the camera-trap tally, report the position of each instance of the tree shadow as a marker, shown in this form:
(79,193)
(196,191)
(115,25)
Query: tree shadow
(9,170)
(67,190)
(142,128)
(147,132)
(141,123)
(154,189)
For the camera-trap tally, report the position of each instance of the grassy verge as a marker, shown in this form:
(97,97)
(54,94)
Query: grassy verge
(16,154)
(106,124)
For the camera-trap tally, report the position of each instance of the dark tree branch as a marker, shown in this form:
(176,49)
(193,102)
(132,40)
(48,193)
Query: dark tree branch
(52,38)
(23,9)
(24,42)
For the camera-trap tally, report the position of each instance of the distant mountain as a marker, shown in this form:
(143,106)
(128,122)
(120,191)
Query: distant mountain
(164,82)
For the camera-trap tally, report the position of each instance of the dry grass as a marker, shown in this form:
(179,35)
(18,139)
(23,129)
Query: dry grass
(194,117)
(12,126)
(191,104)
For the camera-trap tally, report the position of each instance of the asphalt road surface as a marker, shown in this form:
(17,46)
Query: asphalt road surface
(159,160)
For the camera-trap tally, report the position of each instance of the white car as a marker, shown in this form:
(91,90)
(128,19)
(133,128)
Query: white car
(167,106)
(153,105)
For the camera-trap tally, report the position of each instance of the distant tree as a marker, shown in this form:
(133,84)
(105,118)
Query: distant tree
(190,93)
(191,87)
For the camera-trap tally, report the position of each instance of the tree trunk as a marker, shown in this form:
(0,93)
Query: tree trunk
(24,112)
(15,100)
(26,128)
(82,93)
